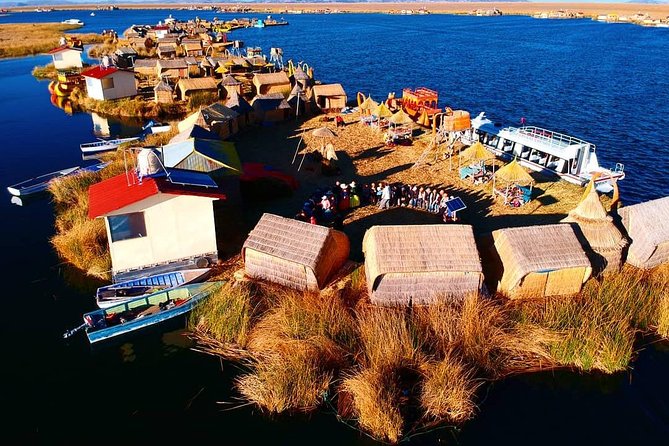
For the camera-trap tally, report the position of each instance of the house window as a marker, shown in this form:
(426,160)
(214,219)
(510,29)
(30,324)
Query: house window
(107,83)
(127,226)
(57,57)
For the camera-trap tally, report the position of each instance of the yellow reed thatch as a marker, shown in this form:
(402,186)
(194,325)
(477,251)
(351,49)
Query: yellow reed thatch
(424,119)
(293,253)
(368,104)
(476,151)
(604,240)
(514,173)
(647,227)
(382,111)
(421,264)
(539,261)
(400,118)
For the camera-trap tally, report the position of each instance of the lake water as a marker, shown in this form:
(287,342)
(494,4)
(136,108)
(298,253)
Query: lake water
(608,84)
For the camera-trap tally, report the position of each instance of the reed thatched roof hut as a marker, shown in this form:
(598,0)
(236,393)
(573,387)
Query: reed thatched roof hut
(293,253)
(603,241)
(420,264)
(648,228)
(540,261)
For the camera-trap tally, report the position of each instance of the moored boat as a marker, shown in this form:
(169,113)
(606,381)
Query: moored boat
(142,312)
(110,295)
(72,22)
(546,151)
(40,183)
(104,145)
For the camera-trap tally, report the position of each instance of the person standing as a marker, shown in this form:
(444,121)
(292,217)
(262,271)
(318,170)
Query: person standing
(385,197)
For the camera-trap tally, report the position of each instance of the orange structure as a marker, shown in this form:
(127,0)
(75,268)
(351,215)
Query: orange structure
(456,120)
(415,101)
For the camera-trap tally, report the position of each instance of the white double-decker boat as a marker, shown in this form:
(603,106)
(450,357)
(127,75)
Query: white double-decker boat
(541,150)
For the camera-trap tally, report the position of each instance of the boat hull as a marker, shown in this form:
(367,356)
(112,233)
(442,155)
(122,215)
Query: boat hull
(199,293)
(38,184)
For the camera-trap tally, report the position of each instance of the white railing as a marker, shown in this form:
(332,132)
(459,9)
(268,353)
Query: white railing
(550,137)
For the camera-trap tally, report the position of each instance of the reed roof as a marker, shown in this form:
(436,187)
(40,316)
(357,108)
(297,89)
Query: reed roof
(514,173)
(368,103)
(290,240)
(542,248)
(200,83)
(400,118)
(420,249)
(647,226)
(595,223)
(329,90)
(476,151)
(382,111)
(279,78)
(300,75)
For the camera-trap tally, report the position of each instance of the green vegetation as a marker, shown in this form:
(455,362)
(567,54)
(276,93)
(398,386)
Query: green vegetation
(25,39)
(394,370)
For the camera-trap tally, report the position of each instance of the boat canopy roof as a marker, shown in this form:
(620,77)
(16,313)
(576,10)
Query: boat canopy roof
(546,141)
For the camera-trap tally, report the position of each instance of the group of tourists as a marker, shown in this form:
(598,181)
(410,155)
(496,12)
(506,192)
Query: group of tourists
(425,198)
(326,206)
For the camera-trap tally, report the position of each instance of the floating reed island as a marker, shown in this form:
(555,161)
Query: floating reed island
(390,304)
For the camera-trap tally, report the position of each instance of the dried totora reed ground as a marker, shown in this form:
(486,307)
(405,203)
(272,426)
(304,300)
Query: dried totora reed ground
(25,39)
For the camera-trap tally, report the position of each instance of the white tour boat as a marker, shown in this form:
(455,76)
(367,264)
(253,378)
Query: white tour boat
(546,151)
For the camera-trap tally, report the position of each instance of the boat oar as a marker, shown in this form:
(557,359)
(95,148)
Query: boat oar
(73,331)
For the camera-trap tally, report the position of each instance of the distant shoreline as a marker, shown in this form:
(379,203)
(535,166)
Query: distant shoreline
(657,11)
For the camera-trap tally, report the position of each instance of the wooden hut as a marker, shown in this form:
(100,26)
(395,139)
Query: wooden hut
(602,240)
(330,97)
(421,264)
(270,108)
(539,261)
(242,107)
(648,229)
(293,253)
(231,85)
(217,118)
(163,93)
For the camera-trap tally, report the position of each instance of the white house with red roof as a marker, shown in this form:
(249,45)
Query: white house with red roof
(154,224)
(66,57)
(104,83)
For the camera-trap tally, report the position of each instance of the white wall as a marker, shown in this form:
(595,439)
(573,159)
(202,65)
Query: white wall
(177,227)
(67,59)
(94,88)
(124,86)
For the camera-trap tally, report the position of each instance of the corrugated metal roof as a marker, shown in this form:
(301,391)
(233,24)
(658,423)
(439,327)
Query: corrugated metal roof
(123,190)
(64,48)
(99,72)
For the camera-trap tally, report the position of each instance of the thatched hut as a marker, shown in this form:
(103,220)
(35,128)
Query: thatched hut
(268,83)
(163,93)
(647,227)
(242,107)
(330,97)
(602,240)
(420,264)
(517,184)
(293,253)
(539,261)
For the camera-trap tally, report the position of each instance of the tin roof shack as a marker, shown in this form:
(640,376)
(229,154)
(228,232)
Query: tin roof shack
(218,118)
(203,155)
(66,57)
(647,225)
(124,57)
(541,261)
(204,85)
(155,222)
(106,83)
(421,264)
(330,97)
(270,108)
(293,253)
(269,83)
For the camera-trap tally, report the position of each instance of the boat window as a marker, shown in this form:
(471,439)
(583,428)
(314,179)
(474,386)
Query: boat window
(127,226)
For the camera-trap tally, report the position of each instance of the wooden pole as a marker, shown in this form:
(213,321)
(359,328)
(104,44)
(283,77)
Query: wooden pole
(297,149)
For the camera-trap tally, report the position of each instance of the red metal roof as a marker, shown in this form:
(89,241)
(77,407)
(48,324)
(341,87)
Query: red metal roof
(64,48)
(114,194)
(98,72)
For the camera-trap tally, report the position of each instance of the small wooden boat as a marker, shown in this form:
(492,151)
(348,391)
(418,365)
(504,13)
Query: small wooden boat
(40,183)
(157,127)
(110,295)
(104,145)
(142,312)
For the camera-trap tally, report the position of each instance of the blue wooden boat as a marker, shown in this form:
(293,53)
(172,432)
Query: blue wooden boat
(116,293)
(41,183)
(136,314)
